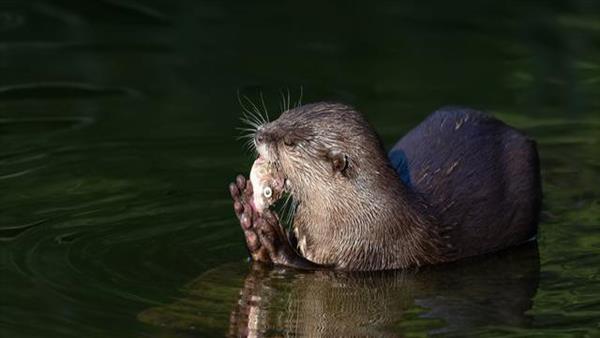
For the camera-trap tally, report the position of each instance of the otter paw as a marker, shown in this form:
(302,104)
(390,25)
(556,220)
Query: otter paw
(241,193)
(271,236)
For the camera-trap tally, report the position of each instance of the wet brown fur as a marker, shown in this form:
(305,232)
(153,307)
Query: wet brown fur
(472,186)
(358,215)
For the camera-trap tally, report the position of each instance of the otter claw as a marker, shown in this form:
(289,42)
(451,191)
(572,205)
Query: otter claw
(241,182)
(246,221)
(252,241)
(238,208)
(267,240)
(233,190)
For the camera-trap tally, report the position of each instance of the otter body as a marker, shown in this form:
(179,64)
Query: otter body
(460,184)
(480,175)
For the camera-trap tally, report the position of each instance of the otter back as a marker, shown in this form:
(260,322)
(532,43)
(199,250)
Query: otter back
(479,174)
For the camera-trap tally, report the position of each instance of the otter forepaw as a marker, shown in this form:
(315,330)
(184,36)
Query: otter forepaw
(241,193)
(275,241)
(271,235)
(266,240)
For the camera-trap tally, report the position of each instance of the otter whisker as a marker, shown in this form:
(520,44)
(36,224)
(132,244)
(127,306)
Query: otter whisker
(288,99)
(246,136)
(281,206)
(255,125)
(262,119)
(246,129)
(292,211)
(246,132)
(249,135)
(282,102)
(251,119)
(252,116)
(286,210)
(257,119)
(262,99)
(250,146)
(299,102)
(242,137)
(255,110)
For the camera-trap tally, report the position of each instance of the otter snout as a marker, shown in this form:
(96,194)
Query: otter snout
(259,138)
(262,139)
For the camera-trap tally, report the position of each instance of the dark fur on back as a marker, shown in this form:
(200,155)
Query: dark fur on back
(479,174)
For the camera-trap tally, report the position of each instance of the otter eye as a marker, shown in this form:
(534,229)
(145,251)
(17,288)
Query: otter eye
(289,142)
(267,192)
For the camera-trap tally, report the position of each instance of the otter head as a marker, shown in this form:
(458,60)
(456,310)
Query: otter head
(321,149)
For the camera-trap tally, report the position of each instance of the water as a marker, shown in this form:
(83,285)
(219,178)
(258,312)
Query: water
(117,142)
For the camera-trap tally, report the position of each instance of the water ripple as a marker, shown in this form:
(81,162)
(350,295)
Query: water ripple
(62,90)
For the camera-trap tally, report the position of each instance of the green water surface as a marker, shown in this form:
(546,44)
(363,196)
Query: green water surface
(118,140)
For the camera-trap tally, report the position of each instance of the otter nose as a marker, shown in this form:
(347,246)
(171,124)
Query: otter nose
(260,137)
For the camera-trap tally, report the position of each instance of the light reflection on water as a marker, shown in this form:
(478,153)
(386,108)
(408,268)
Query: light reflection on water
(117,142)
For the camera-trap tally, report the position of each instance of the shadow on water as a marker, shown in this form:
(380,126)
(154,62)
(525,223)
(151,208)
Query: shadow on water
(495,290)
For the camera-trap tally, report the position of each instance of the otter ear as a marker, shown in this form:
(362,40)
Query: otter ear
(339,161)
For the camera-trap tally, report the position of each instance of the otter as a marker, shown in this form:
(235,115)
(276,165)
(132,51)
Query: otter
(461,184)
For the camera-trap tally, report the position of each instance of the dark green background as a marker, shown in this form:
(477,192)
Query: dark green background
(117,137)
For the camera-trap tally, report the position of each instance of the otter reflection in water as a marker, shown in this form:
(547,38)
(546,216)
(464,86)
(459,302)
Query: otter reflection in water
(460,298)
